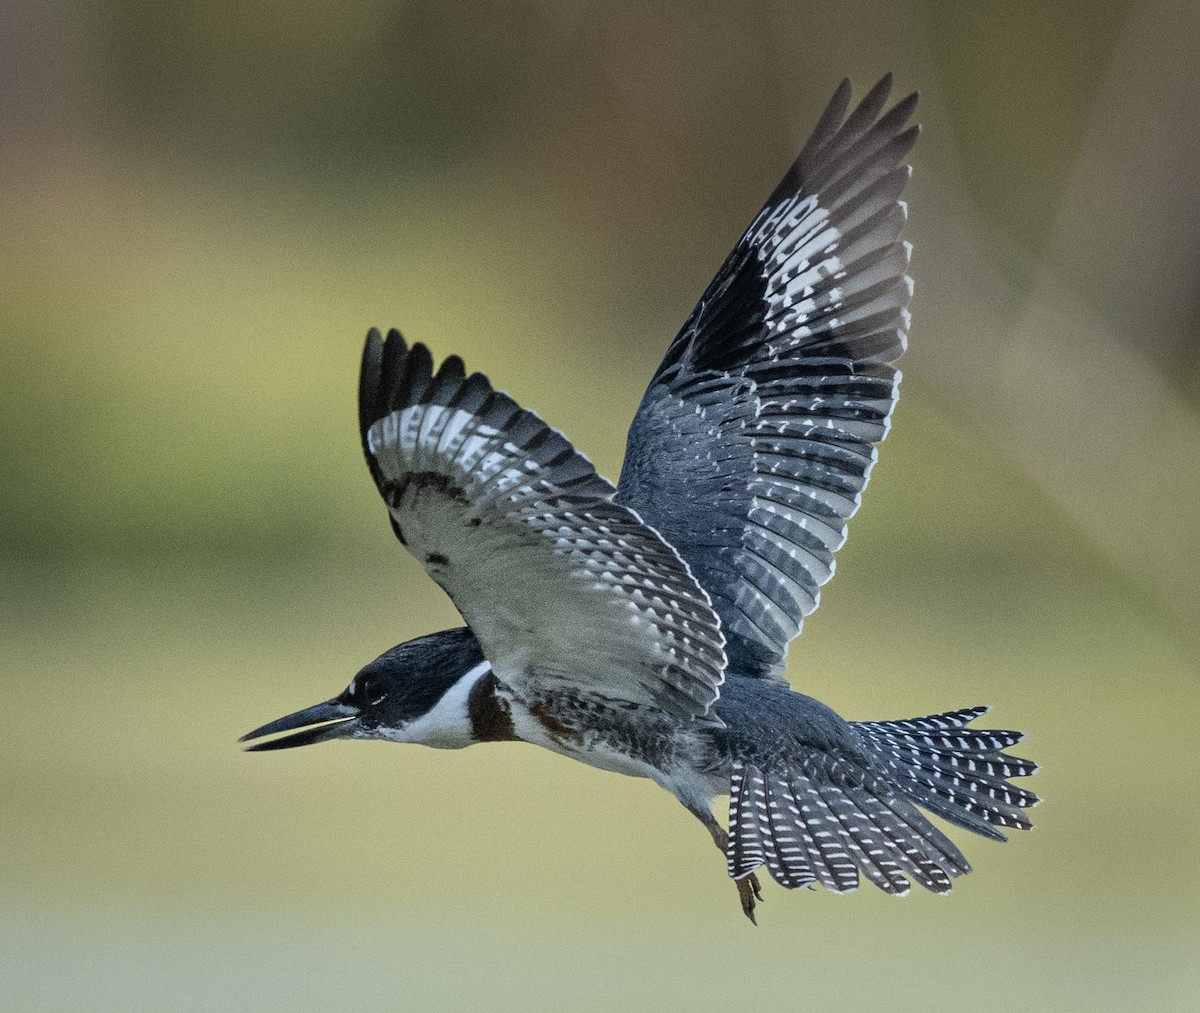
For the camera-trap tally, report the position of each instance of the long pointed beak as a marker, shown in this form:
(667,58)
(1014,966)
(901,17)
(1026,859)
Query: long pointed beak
(332,720)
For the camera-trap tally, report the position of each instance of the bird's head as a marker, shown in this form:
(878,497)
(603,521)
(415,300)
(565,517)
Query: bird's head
(418,691)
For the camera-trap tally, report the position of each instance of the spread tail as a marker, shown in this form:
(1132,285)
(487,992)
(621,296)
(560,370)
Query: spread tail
(956,772)
(828,818)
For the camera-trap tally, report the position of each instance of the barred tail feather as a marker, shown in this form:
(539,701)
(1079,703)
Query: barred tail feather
(955,772)
(745,850)
(826,829)
(827,820)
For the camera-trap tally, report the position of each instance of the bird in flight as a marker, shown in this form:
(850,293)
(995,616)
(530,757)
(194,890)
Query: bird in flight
(643,627)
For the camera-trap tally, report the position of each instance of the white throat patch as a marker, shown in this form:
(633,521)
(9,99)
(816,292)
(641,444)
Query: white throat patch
(448,724)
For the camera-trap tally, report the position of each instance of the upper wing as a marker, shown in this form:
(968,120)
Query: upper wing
(565,589)
(756,437)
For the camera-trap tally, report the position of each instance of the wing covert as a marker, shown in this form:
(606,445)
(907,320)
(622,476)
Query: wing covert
(565,589)
(757,435)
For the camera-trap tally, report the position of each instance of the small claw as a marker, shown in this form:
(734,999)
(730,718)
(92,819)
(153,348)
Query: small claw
(755,886)
(747,889)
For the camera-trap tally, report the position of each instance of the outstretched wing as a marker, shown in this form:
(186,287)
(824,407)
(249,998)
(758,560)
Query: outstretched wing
(565,589)
(756,437)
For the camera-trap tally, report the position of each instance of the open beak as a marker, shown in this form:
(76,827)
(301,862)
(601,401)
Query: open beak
(329,720)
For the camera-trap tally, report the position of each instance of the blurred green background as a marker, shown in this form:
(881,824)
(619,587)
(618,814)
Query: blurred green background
(205,206)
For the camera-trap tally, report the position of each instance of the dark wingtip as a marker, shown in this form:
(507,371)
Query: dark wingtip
(452,368)
(874,100)
(839,128)
(369,377)
(418,375)
(391,370)
(903,109)
(905,141)
(827,126)
(840,101)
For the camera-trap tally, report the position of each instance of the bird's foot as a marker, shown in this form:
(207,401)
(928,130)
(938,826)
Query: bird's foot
(748,891)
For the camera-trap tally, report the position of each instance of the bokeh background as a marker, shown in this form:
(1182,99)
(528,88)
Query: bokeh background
(204,206)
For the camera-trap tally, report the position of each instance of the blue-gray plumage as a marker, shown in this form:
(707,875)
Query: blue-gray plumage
(643,628)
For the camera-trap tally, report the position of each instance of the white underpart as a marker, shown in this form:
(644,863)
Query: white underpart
(692,788)
(448,724)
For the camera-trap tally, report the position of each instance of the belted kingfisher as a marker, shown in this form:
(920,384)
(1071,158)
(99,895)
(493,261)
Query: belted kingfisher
(642,628)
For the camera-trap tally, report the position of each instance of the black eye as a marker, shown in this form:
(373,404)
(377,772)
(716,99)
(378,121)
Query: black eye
(365,689)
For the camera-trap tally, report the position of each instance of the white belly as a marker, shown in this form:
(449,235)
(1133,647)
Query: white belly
(692,789)
(584,746)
